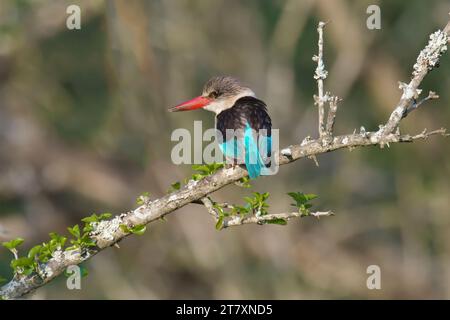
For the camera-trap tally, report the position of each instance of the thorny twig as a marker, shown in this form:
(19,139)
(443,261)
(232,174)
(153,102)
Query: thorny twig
(325,128)
(320,75)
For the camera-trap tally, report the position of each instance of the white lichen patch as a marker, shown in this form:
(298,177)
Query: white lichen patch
(286,152)
(345,141)
(140,212)
(58,255)
(429,56)
(235,220)
(104,231)
(47,272)
(8,290)
(320,72)
(305,141)
(375,138)
(408,91)
(191,184)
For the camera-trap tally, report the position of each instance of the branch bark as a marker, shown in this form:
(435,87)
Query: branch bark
(320,75)
(109,233)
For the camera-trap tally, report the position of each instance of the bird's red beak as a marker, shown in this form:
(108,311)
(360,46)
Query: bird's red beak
(196,103)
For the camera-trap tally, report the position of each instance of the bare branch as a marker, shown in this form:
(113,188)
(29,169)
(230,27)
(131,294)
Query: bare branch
(333,101)
(325,129)
(431,96)
(210,207)
(320,75)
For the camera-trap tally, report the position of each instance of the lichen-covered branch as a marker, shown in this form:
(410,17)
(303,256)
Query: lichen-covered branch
(260,218)
(322,97)
(431,96)
(427,60)
(238,221)
(320,75)
(333,101)
(109,232)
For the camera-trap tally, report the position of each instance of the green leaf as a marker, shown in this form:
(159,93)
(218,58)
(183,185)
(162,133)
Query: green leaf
(197,176)
(95,218)
(13,244)
(57,240)
(219,224)
(84,271)
(87,228)
(249,200)
(28,270)
(175,186)
(277,221)
(142,198)
(240,210)
(205,170)
(2,280)
(310,196)
(89,243)
(105,216)
(90,219)
(244,182)
(36,250)
(124,228)
(219,209)
(139,230)
(200,167)
(257,203)
(75,231)
(301,199)
(22,262)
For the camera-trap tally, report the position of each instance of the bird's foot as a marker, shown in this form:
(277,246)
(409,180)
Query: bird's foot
(232,164)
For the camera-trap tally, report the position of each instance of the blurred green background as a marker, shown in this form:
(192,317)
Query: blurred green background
(84,128)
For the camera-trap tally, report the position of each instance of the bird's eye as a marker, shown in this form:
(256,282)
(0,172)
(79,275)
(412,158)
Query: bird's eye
(213,94)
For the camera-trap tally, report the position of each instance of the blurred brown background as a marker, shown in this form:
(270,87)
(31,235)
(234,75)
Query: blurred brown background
(84,128)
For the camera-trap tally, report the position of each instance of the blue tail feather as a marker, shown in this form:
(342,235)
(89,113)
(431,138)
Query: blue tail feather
(253,159)
(252,151)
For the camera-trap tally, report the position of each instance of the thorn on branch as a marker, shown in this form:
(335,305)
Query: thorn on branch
(314,158)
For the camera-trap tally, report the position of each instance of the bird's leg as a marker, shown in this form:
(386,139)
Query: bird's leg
(231,163)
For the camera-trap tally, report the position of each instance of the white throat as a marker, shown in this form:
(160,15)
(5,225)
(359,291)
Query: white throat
(224,104)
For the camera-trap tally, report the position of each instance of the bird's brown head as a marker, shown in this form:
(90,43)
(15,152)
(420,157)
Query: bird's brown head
(219,93)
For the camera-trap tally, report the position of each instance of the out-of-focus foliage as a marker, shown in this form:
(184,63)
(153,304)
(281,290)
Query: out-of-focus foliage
(84,128)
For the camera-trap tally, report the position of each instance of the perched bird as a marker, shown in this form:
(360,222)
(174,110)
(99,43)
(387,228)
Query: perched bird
(242,122)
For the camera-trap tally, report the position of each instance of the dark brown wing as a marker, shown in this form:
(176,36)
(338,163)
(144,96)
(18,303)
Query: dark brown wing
(245,110)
